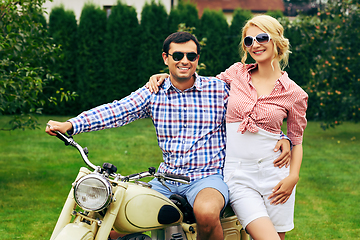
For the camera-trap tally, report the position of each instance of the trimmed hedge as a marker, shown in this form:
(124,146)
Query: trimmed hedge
(117,55)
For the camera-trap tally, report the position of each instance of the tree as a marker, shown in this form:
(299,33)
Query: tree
(154,29)
(25,53)
(91,74)
(275,13)
(63,28)
(122,52)
(185,18)
(240,17)
(213,27)
(185,13)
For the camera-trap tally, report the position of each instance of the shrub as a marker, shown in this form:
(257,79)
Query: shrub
(26,52)
(325,60)
(335,78)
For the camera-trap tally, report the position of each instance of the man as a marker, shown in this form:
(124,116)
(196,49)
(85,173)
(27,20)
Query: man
(188,114)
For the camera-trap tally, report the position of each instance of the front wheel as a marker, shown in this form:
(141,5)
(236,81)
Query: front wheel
(75,231)
(135,236)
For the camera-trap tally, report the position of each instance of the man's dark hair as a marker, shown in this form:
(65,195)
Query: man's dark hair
(180,37)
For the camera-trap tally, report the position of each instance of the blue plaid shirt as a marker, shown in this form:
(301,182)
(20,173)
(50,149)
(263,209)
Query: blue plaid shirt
(190,124)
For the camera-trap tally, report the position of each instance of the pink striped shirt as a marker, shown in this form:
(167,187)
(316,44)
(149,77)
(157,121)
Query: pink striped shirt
(287,100)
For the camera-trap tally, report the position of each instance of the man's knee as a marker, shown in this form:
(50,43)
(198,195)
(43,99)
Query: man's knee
(208,205)
(207,217)
(209,198)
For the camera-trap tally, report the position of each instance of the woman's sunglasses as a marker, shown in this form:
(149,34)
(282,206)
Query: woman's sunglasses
(261,38)
(177,56)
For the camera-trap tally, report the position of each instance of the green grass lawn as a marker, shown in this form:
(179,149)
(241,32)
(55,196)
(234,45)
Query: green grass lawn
(37,171)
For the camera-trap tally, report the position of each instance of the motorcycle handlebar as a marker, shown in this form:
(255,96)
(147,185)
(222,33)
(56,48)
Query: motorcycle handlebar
(63,138)
(179,177)
(172,177)
(137,176)
(70,141)
(166,176)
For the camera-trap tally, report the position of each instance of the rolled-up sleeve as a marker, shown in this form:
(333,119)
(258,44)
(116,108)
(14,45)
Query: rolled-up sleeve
(296,120)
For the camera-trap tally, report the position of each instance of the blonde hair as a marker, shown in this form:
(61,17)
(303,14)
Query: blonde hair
(276,31)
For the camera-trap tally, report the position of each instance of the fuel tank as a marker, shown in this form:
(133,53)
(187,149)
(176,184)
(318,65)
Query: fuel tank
(144,209)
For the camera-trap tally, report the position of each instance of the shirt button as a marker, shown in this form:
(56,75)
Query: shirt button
(183,142)
(184,125)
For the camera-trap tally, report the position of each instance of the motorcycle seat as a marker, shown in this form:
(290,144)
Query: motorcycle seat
(185,207)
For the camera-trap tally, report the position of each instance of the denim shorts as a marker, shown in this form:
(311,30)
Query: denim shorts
(191,190)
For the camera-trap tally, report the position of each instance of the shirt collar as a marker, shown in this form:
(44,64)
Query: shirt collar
(284,79)
(197,85)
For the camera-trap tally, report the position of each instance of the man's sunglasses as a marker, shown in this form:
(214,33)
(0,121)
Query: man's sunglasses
(177,56)
(261,38)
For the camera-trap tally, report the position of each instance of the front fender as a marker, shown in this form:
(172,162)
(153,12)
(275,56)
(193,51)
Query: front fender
(75,231)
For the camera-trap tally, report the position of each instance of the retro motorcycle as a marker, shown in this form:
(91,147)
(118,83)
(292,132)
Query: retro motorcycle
(101,201)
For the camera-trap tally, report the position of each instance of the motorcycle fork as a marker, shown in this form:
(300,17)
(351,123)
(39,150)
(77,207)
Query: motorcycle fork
(107,222)
(69,207)
(111,213)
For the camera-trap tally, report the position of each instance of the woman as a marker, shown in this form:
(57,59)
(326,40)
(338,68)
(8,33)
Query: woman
(261,97)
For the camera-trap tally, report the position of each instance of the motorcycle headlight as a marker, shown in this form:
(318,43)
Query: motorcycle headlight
(93,192)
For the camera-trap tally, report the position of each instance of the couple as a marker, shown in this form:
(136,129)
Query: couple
(189,113)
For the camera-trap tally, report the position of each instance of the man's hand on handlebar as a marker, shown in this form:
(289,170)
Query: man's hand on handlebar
(53,126)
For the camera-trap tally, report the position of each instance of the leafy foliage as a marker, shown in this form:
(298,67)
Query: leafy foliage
(25,54)
(326,62)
